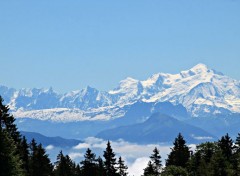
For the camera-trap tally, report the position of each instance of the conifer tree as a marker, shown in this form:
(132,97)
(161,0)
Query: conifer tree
(206,150)
(237,144)
(199,162)
(10,137)
(10,163)
(33,157)
(156,160)
(78,171)
(64,165)
(218,164)
(195,165)
(226,145)
(175,171)
(236,164)
(44,162)
(122,168)
(110,161)
(39,164)
(154,166)
(7,123)
(89,166)
(24,154)
(149,170)
(180,153)
(101,169)
(236,156)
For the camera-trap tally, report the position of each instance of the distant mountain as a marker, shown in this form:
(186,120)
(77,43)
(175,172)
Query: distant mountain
(136,113)
(55,141)
(158,128)
(203,92)
(218,126)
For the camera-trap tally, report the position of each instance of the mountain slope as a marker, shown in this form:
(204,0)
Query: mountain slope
(157,129)
(45,141)
(202,91)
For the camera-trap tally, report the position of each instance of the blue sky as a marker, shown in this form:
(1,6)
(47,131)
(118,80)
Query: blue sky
(69,44)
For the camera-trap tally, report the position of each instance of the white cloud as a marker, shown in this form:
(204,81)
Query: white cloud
(93,140)
(202,137)
(136,168)
(135,155)
(75,155)
(82,146)
(49,147)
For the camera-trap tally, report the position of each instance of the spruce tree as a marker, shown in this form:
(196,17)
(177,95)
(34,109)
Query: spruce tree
(78,171)
(122,168)
(11,137)
(24,154)
(237,144)
(206,150)
(156,160)
(33,163)
(64,166)
(39,164)
(226,145)
(199,163)
(89,166)
(44,162)
(180,153)
(149,170)
(110,161)
(7,123)
(10,163)
(236,164)
(218,164)
(175,171)
(154,165)
(236,156)
(60,165)
(101,170)
(196,165)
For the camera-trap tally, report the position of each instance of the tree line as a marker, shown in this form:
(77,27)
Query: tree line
(19,158)
(220,158)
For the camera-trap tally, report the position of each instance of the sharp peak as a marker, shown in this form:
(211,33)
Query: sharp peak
(89,88)
(160,74)
(200,66)
(129,79)
(204,68)
(197,69)
(43,89)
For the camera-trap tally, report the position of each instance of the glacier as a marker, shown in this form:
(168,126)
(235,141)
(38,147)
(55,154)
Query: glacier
(202,91)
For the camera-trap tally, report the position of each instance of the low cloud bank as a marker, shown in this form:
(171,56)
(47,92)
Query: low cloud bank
(135,155)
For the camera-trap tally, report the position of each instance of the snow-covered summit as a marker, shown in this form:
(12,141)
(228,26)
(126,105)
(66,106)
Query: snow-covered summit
(201,90)
(199,68)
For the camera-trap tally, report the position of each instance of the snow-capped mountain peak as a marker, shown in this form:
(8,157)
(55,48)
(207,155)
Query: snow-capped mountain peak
(125,86)
(201,90)
(199,68)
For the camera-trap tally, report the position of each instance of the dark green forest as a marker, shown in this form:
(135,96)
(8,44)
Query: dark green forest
(19,158)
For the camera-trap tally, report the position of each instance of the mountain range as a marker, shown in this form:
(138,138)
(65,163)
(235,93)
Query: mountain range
(197,92)
(46,141)
(158,128)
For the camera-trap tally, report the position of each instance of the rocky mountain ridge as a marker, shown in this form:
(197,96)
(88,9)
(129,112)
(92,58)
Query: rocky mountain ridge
(202,91)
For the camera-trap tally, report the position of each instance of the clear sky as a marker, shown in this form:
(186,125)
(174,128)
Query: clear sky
(69,44)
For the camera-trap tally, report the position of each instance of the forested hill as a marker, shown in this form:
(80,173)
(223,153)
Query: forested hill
(19,158)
